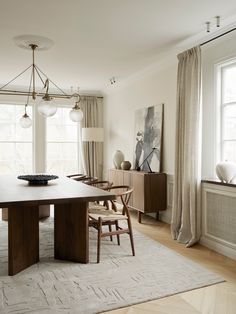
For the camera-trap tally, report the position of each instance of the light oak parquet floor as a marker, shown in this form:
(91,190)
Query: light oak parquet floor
(216,299)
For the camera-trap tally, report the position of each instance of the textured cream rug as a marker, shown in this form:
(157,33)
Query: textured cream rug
(119,280)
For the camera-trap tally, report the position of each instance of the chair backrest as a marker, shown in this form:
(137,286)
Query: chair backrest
(88,180)
(102,184)
(77,177)
(123,194)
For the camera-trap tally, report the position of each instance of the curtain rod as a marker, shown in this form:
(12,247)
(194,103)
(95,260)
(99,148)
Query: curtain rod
(214,38)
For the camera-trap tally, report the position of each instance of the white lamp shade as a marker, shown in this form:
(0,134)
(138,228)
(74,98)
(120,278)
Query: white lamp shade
(47,108)
(25,122)
(92,134)
(76,115)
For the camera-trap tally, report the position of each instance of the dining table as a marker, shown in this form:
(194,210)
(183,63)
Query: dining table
(71,230)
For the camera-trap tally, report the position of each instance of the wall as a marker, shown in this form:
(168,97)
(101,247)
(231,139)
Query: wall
(120,104)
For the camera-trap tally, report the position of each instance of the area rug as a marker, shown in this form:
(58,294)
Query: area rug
(119,280)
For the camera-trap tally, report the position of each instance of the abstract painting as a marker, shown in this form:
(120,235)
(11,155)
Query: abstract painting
(148,138)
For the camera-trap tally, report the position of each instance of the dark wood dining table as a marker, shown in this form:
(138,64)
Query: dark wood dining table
(71,237)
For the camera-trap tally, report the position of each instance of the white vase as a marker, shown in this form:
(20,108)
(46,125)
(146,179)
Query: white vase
(118,158)
(226,171)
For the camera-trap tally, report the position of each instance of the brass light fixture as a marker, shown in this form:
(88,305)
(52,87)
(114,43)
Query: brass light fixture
(46,107)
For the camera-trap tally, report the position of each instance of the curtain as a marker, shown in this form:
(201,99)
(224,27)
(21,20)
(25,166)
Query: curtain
(91,152)
(186,218)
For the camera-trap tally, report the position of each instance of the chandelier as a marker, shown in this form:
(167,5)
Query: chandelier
(46,106)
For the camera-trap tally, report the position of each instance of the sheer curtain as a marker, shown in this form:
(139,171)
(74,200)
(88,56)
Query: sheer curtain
(185,225)
(92,108)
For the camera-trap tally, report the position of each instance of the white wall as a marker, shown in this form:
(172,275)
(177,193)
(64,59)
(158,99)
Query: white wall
(120,104)
(213,53)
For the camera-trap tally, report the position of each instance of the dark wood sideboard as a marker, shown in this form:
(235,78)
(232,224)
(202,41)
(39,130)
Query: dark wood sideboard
(149,194)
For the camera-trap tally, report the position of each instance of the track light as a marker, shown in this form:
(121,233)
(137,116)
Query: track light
(112,80)
(208,27)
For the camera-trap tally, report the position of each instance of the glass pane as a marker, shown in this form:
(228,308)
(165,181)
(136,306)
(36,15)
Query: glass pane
(7,167)
(7,113)
(23,152)
(69,133)
(54,167)
(54,133)
(23,167)
(56,119)
(229,122)
(7,132)
(62,139)
(69,167)
(229,151)
(53,151)
(15,142)
(66,115)
(7,151)
(229,85)
(69,151)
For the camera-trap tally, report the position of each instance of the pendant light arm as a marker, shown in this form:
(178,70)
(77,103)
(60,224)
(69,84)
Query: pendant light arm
(33,47)
(54,84)
(14,78)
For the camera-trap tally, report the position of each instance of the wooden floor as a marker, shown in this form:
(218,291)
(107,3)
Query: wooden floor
(217,299)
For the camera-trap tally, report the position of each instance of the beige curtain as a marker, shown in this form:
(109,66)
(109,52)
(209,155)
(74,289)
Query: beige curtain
(91,152)
(185,225)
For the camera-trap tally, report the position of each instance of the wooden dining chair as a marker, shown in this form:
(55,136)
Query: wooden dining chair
(89,180)
(101,184)
(112,216)
(77,176)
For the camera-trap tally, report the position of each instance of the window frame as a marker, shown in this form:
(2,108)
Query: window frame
(17,103)
(59,142)
(39,136)
(221,107)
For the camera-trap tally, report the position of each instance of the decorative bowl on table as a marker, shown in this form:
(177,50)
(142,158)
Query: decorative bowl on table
(37,179)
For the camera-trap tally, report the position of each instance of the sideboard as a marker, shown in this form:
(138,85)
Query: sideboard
(149,194)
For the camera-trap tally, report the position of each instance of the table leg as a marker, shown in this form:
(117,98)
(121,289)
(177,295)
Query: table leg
(23,238)
(71,239)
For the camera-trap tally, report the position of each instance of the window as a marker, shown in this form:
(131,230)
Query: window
(227,102)
(62,143)
(16,147)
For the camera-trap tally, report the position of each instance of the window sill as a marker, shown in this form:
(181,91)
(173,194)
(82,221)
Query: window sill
(217,181)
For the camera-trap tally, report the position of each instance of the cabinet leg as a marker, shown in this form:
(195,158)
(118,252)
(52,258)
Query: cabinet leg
(157,215)
(139,217)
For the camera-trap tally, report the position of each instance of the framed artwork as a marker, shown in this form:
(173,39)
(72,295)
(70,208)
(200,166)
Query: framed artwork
(148,138)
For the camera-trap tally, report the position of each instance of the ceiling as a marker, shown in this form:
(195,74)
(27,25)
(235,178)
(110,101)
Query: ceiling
(95,40)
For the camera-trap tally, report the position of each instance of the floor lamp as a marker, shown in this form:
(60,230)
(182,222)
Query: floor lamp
(92,135)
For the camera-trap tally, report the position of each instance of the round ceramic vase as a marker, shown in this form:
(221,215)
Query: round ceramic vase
(118,158)
(226,171)
(125,165)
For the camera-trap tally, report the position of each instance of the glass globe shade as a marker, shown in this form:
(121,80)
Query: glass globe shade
(25,121)
(76,114)
(47,108)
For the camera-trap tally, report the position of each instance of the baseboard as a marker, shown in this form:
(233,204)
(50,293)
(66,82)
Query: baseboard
(218,247)
(165,216)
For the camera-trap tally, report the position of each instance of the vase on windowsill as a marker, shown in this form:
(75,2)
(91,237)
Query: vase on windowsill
(226,171)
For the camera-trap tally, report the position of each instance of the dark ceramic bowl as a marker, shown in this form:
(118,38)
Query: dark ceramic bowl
(37,179)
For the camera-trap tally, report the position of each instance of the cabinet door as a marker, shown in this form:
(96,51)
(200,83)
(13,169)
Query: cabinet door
(138,194)
(116,176)
(155,192)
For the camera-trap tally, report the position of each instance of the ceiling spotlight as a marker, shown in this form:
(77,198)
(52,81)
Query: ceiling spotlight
(208,27)
(112,80)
